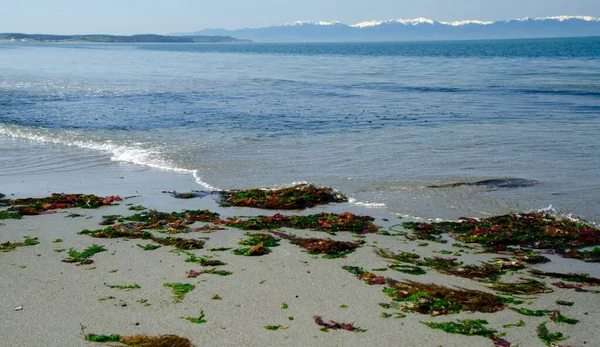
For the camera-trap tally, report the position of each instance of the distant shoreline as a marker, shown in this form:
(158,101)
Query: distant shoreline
(101,38)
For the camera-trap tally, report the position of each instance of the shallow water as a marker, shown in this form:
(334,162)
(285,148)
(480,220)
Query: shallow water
(380,122)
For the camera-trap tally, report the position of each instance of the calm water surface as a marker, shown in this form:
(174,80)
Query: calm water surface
(379,121)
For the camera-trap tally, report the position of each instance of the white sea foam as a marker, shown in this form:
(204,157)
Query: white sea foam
(366,203)
(128,153)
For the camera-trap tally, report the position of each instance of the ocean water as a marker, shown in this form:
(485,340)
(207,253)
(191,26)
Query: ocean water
(396,126)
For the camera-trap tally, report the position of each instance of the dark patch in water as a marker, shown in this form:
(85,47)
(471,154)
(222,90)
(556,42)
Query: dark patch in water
(495,183)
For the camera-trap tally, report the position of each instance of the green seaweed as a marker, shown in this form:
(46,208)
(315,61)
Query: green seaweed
(526,287)
(10,215)
(85,254)
(102,338)
(149,247)
(468,327)
(408,269)
(179,290)
(557,317)
(275,327)
(9,246)
(564,303)
(126,287)
(549,338)
(519,324)
(198,320)
(527,312)
(367,277)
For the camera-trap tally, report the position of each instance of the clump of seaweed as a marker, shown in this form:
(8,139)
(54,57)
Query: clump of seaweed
(198,320)
(203,261)
(525,286)
(368,277)
(469,327)
(143,340)
(179,290)
(329,222)
(168,222)
(557,317)
(330,248)
(34,206)
(10,215)
(582,278)
(450,266)
(436,299)
(533,230)
(299,196)
(259,243)
(126,287)
(83,257)
(149,247)
(336,325)
(547,337)
(118,231)
(9,246)
(407,269)
(527,312)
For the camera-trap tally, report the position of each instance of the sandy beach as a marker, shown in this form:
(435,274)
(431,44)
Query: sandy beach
(47,302)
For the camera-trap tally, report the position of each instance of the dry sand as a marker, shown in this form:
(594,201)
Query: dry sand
(61,302)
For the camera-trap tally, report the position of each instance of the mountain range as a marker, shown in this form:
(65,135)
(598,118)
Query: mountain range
(415,29)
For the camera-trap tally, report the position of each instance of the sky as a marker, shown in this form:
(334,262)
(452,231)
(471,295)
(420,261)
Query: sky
(127,17)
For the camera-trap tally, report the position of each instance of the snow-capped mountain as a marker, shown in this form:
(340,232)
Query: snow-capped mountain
(416,29)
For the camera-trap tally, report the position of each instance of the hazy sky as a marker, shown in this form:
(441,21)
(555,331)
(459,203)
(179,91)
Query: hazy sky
(161,16)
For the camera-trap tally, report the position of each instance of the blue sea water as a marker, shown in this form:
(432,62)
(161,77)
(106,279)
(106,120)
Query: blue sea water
(381,122)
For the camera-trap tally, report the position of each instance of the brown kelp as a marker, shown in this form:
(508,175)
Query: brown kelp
(9,246)
(539,230)
(34,206)
(296,197)
(429,298)
(336,325)
(329,222)
(117,231)
(143,340)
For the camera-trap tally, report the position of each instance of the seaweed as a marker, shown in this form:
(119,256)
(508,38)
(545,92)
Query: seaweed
(257,250)
(557,317)
(336,325)
(527,312)
(83,257)
(526,287)
(10,215)
(564,303)
(118,231)
(203,261)
(329,222)
(468,327)
(149,247)
(9,246)
(549,338)
(578,287)
(143,340)
(450,266)
(275,327)
(519,324)
(169,222)
(214,271)
(368,277)
(437,299)
(198,320)
(126,287)
(582,278)
(533,230)
(179,290)
(34,206)
(330,248)
(291,198)
(393,314)
(407,269)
